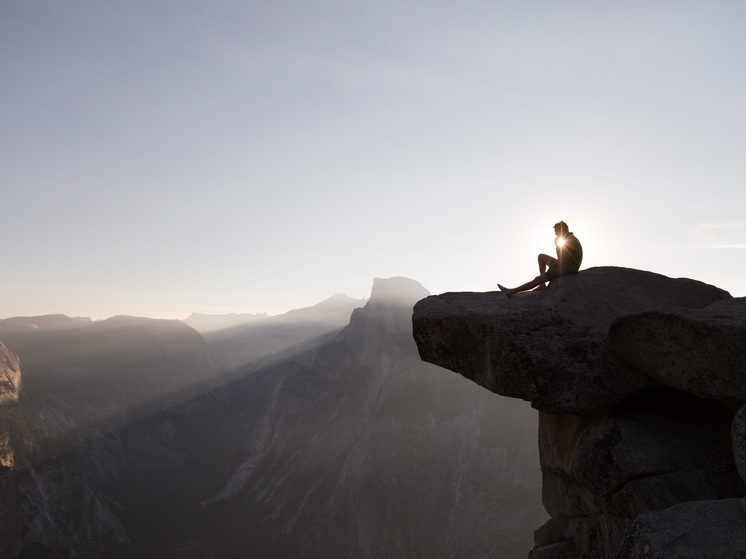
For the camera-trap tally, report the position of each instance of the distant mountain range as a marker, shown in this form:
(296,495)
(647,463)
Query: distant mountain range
(259,343)
(114,369)
(210,322)
(318,433)
(21,324)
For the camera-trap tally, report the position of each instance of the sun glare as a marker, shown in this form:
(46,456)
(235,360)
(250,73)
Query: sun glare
(560,241)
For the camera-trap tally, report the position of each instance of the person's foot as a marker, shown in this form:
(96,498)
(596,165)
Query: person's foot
(505,290)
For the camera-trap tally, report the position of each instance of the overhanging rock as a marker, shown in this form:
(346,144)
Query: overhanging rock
(552,347)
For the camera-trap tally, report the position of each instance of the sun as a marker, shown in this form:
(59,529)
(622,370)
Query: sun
(560,242)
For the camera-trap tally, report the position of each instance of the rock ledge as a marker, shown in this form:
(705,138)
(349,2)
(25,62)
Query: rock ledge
(637,377)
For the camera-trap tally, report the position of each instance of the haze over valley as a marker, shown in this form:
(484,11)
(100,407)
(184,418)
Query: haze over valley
(129,439)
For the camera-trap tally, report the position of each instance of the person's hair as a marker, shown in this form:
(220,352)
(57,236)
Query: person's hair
(563,228)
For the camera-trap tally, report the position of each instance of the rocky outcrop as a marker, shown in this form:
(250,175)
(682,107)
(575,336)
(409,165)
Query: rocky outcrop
(10,380)
(637,377)
(551,347)
(10,375)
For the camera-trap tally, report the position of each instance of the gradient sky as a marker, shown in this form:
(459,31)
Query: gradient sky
(164,157)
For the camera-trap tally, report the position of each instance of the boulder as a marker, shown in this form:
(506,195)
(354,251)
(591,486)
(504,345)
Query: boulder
(10,375)
(701,351)
(551,347)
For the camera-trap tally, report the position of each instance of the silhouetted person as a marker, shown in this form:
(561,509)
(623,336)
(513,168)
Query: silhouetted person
(569,257)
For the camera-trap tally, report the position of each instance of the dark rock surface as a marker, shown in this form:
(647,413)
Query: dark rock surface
(738,435)
(638,377)
(693,530)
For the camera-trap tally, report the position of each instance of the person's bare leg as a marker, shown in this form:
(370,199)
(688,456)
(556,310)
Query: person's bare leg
(537,281)
(544,262)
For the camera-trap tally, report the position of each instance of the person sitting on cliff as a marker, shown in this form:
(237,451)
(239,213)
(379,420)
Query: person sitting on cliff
(569,257)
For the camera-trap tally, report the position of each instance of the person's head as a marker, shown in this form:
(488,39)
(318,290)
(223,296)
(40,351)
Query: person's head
(561,229)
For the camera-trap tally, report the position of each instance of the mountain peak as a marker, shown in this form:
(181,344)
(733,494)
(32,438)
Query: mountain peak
(398,289)
(339,300)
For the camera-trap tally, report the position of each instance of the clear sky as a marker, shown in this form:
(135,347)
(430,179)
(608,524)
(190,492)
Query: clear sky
(167,156)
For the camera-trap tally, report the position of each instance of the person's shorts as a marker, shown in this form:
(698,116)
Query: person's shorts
(555,271)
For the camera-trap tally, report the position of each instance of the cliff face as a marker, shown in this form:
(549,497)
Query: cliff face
(48,507)
(361,450)
(10,375)
(73,434)
(638,378)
